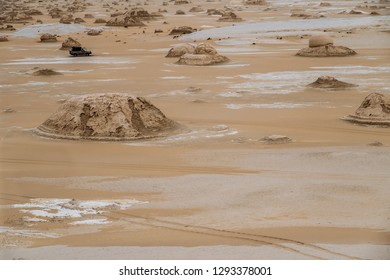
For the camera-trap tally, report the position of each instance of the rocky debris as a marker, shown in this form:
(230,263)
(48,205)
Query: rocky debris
(178,51)
(355,12)
(100,20)
(302,14)
(255,2)
(322,46)
(275,139)
(69,43)
(94,32)
(375,144)
(45,72)
(204,54)
(3,39)
(180,12)
(181,2)
(78,20)
(8,110)
(196,9)
(68,19)
(182,30)
(229,17)
(48,38)
(158,31)
(56,13)
(8,27)
(133,17)
(328,82)
(325,4)
(88,16)
(374,110)
(107,117)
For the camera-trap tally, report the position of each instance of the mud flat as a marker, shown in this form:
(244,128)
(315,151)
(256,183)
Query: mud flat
(218,189)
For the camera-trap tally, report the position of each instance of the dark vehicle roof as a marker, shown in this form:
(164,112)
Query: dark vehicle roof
(76,48)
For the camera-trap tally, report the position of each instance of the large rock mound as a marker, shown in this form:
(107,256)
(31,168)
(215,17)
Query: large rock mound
(204,54)
(328,82)
(322,46)
(107,117)
(374,110)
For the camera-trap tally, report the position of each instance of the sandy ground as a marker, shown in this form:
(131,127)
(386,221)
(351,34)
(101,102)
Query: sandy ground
(213,191)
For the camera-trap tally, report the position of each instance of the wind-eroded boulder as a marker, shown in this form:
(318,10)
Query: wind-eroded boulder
(48,38)
(374,110)
(322,46)
(204,54)
(178,51)
(107,117)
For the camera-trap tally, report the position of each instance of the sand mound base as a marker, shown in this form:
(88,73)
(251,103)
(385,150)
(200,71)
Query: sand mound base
(326,51)
(45,72)
(204,55)
(328,82)
(374,110)
(107,117)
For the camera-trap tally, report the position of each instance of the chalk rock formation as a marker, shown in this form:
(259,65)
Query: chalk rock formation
(229,17)
(374,110)
(204,54)
(196,9)
(328,82)
(48,38)
(178,51)
(182,30)
(94,32)
(107,117)
(322,46)
(69,43)
(255,2)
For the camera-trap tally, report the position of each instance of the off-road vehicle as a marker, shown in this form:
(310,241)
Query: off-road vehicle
(76,51)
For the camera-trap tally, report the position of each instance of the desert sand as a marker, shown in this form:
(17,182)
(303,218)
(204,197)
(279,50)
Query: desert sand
(262,167)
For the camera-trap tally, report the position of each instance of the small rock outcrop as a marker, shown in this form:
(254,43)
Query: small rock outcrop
(181,30)
(3,39)
(275,139)
(229,17)
(48,38)
(204,54)
(107,117)
(328,82)
(94,32)
(374,110)
(322,46)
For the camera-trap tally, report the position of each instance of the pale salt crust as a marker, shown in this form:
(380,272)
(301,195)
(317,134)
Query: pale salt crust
(41,208)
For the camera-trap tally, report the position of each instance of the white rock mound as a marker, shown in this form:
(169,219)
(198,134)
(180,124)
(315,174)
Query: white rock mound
(374,110)
(107,117)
